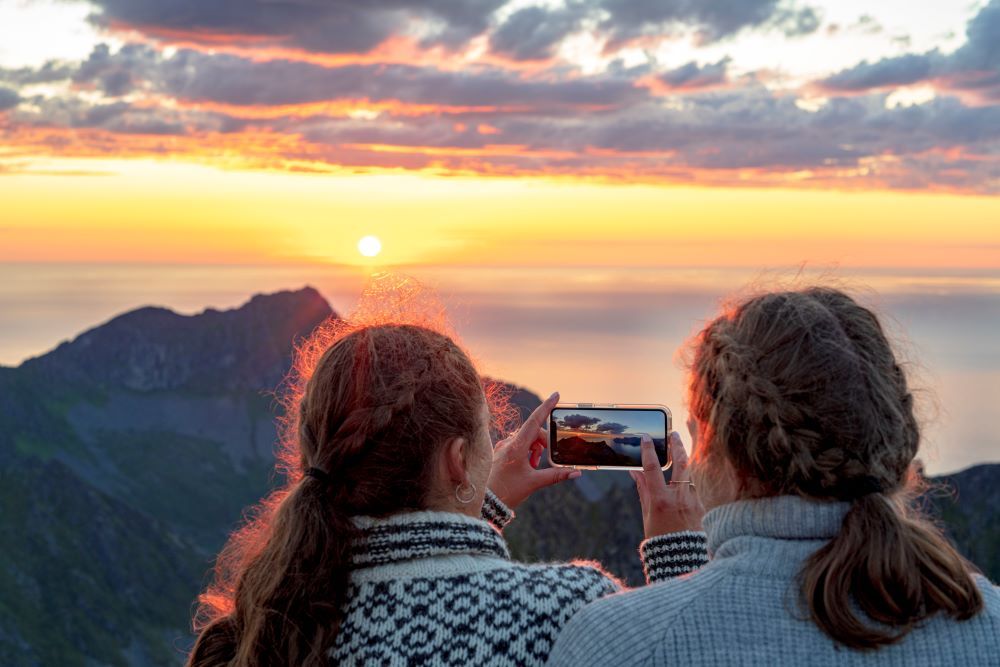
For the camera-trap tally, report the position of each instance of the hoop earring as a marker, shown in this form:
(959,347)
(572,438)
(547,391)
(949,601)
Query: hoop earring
(465,501)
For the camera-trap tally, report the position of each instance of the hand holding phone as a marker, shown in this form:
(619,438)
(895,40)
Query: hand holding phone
(668,508)
(515,474)
(585,435)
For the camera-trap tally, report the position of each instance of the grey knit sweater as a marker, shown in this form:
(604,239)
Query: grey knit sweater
(436,588)
(741,608)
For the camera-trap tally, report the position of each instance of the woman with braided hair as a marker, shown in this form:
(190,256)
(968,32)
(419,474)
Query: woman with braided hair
(384,546)
(819,555)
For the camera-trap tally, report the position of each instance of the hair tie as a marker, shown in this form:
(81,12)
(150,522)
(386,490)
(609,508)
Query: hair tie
(867,485)
(318,474)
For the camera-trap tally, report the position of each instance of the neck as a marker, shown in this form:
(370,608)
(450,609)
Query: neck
(442,498)
(472,509)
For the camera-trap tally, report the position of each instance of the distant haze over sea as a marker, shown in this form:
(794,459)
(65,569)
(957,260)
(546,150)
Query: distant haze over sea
(604,335)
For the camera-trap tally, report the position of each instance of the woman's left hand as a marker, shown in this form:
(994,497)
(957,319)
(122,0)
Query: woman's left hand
(667,508)
(515,474)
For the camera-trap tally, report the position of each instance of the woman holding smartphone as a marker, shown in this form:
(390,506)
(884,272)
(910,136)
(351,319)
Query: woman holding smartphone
(376,551)
(819,556)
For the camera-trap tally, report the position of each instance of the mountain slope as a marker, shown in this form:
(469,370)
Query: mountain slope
(126,456)
(968,505)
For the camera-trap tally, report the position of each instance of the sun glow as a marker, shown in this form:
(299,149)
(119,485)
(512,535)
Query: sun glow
(369,246)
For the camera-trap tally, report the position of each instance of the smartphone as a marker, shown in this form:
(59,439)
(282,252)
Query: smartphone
(592,436)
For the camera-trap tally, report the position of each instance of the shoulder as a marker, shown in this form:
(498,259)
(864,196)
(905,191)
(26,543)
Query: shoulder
(550,593)
(578,580)
(628,626)
(991,597)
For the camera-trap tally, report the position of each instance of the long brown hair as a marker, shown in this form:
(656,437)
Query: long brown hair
(369,404)
(801,393)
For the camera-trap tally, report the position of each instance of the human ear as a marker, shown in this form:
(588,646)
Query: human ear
(454,460)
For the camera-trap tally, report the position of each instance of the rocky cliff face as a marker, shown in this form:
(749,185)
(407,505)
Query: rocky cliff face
(128,454)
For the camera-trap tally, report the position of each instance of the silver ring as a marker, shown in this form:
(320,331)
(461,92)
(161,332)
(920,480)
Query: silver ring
(683,481)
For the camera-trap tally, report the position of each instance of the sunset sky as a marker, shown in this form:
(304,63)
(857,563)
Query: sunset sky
(583,180)
(734,132)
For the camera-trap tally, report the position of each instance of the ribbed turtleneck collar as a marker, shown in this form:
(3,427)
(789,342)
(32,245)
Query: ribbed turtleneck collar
(779,517)
(414,535)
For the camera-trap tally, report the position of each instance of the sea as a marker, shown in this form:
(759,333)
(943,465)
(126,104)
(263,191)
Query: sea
(616,335)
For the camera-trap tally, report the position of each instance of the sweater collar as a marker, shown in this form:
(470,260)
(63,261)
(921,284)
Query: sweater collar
(414,535)
(780,517)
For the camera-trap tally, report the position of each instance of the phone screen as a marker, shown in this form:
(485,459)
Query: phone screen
(606,437)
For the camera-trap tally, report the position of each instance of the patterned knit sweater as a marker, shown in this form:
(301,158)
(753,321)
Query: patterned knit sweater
(436,588)
(742,607)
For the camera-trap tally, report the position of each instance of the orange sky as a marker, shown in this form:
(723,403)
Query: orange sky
(145,211)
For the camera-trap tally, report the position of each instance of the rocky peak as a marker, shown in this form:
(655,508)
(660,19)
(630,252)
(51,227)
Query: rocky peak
(151,349)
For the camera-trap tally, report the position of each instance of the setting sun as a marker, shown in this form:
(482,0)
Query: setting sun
(369,246)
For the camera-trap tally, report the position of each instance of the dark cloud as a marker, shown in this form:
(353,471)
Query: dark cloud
(533,33)
(8,98)
(197,76)
(48,73)
(888,72)
(755,129)
(973,68)
(529,33)
(797,22)
(982,47)
(693,76)
(116,75)
(333,26)
(611,427)
(578,422)
(713,19)
(121,117)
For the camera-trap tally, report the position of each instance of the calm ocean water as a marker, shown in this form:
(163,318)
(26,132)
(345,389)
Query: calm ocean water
(593,334)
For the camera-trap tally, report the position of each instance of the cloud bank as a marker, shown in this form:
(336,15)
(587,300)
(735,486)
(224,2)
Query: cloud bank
(479,87)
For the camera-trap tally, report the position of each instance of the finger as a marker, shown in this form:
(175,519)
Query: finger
(540,442)
(540,415)
(651,471)
(550,476)
(536,455)
(679,457)
(542,438)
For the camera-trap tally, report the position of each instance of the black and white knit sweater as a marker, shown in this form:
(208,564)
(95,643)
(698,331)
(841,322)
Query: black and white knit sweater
(436,588)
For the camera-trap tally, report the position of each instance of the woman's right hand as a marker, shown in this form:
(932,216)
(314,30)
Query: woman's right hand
(667,508)
(515,474)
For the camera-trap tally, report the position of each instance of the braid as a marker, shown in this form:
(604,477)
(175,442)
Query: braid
(801,393)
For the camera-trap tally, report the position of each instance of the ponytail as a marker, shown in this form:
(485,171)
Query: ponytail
(287,610)
(894,567)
